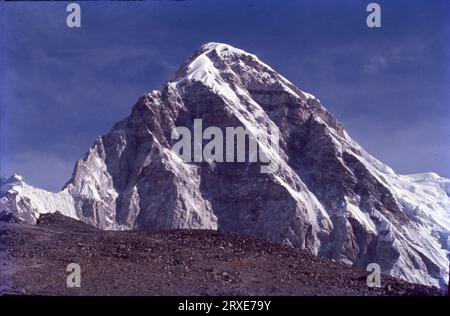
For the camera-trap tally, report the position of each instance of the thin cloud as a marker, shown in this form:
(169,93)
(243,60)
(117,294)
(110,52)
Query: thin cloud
(375,65)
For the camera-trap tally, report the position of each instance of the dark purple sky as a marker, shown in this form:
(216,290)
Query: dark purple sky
(61,87)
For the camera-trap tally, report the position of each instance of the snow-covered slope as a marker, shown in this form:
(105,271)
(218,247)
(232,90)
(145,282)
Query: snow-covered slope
(27,202)
(327,195)
(425,199)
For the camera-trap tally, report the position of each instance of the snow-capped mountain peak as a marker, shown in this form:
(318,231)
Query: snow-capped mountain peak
(215,64)
(28,202)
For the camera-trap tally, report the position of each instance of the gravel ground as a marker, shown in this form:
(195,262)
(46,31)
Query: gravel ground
(33,261)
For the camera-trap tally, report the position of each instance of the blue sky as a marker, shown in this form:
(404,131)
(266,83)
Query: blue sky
(61,88)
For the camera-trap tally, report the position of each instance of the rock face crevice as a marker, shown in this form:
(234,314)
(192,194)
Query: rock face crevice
(328,195)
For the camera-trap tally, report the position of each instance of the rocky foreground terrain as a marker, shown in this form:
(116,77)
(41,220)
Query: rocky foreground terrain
(34,258)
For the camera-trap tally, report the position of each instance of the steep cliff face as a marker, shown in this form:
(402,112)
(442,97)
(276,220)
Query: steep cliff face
(327,194)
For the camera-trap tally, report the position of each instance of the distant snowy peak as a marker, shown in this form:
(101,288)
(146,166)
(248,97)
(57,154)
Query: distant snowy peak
(433,178)
(14,180)
(28,202)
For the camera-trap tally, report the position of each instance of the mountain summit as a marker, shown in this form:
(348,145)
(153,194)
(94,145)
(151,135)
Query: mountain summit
(328,195)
